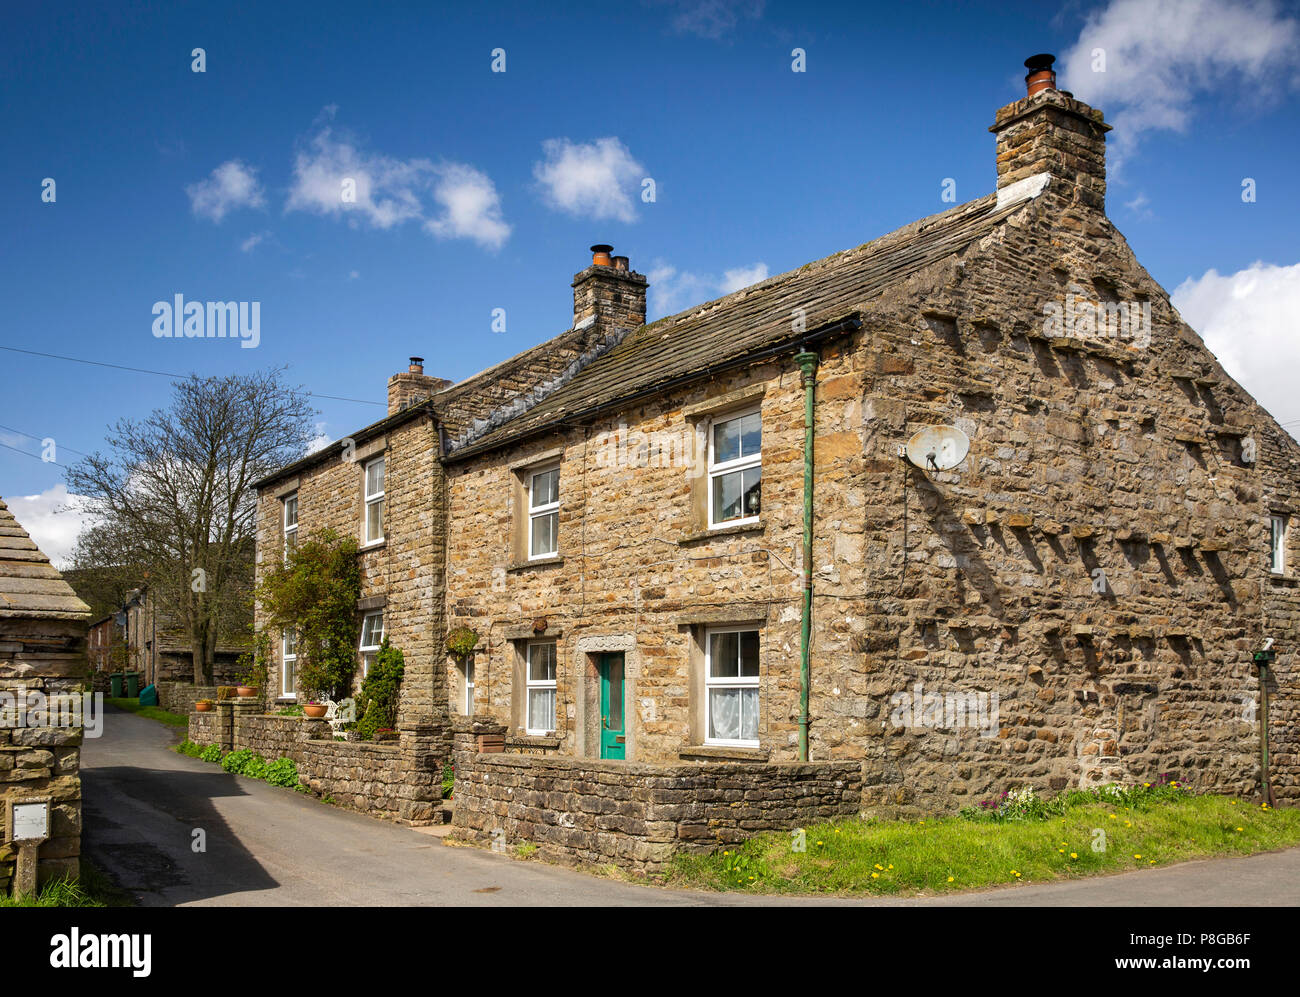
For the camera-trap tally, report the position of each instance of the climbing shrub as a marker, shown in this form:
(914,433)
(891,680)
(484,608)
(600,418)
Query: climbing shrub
(314,593)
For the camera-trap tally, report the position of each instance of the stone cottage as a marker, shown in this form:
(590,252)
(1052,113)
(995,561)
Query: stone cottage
(42,656)
(699,541)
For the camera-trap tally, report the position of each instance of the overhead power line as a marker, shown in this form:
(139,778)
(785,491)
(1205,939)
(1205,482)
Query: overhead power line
(163,373)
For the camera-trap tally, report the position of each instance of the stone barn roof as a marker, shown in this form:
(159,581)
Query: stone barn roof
(29,585)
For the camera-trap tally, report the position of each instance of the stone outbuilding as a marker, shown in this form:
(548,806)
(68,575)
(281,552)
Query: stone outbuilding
(42,673)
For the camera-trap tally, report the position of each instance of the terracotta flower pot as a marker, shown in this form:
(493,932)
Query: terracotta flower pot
(203,707)
(244,691)
(314,710)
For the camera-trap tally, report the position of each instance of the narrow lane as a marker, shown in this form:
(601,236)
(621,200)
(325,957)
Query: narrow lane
(268,846)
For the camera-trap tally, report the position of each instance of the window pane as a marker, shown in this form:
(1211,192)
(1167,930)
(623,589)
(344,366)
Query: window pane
(726,496)
(616,693)
(544,530)
(290,678)
(726,440)
(541,662)
(723,655)
(541,709)
(751,434)
(375,478)
(546,487)
(290,642)
(291,512)
(748,714)
(751,487)
(372,630)
(749,653)
(724,714)
(375,521)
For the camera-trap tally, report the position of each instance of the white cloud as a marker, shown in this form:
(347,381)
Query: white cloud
(672,290)
(320,440)
(354,275)
(231,185)
(1161,54)
(333,176)
(712,18)
(53,519)
(251,243)
(739,277)
(592,179)
(1248,320)
(471,207)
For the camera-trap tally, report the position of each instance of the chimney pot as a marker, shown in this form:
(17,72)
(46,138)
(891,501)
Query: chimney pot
(1041,76)
(600,255)
(620,263)
(417,365)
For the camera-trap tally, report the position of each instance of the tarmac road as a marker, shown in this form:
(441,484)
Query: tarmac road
(268,846)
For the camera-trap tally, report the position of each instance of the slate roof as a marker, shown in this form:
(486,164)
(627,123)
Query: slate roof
(29,584)
(750,320)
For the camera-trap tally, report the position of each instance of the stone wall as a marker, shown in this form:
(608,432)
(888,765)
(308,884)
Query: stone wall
(180,697)
(40,762)
(593,812)
(399,780)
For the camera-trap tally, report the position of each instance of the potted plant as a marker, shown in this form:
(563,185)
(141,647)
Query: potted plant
(253,666)
(203,705)
(313,709)
(226,692)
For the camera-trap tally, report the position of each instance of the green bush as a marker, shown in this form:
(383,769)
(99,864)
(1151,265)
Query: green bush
(377,704)
(448,780)
(282,772)
(211,753)
(256,768)
(236,761)
(188,747)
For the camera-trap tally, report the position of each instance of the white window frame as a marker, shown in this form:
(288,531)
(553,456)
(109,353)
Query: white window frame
(729,682)
(370,649)
(716,470)
(1278,524)
(536,512)
(469,685)
(376,498)
(530,684)
(285,657)
(287,529)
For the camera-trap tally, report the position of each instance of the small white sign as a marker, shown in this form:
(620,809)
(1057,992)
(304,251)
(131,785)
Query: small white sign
(31,822)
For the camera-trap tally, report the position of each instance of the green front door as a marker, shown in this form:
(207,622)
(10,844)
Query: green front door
(612,733)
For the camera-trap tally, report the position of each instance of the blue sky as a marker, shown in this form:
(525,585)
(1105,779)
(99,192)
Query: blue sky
(486,188)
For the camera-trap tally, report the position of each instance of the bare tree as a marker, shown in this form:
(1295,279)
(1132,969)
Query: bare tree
(174,495)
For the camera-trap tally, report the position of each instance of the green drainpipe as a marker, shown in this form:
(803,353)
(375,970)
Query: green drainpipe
(808,364)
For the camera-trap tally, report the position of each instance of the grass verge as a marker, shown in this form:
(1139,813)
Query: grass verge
(1082,833)
(93,889)
(152,712)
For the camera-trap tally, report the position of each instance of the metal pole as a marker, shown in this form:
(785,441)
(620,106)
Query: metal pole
(808,365)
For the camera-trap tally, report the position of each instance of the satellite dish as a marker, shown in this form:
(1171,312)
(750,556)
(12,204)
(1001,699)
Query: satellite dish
(938,448)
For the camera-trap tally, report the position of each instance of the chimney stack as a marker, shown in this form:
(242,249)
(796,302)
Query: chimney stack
(1048,131)
(608,294)
(412,385)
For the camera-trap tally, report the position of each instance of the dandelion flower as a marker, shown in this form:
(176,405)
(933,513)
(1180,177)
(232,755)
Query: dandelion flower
(880,867)
(1061,850)
(951,878)
(1137,856)
(875,875)
(1074,855)
(1241,829)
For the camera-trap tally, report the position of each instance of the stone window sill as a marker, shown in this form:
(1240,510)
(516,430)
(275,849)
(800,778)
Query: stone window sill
(377,545)
(723,531)
(532,741)
(722,753)
(540,562)
(1283,581)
